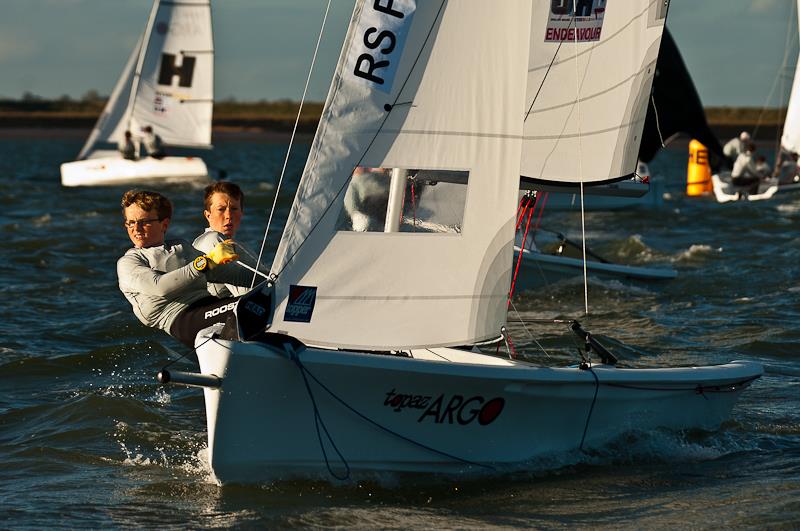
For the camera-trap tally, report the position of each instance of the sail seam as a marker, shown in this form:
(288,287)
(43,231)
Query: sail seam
(596,94)
(469,134)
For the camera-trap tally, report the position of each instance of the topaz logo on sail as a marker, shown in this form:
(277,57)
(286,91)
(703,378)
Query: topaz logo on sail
(300,304)
(382,27)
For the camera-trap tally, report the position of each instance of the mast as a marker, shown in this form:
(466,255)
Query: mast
(142,52)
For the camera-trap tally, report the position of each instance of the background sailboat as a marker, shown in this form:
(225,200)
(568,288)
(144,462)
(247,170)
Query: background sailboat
(363,365)
(167,84)
(787,175)
(674,110)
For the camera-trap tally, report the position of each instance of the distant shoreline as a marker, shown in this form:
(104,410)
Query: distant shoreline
(266,121)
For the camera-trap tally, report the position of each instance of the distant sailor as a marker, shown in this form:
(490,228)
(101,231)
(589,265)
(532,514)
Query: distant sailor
(788,171)
(126,147)
(763,169)
(745,173)
(166,280)
(366,198)
(736,146)
(223,208)
(153,143)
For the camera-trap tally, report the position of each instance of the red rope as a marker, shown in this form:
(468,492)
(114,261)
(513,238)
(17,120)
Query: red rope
(521,250)
(541,210)
(414,205)
(511,346)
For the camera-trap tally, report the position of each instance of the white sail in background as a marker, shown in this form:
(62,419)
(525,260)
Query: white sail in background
(584,118)
(110,127)
(433,86)
(790,139)
(175,89)
(168,82)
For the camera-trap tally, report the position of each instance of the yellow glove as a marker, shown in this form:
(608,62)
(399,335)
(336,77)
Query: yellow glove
(223,253)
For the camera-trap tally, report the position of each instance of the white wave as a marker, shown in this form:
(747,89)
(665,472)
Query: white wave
(696,251)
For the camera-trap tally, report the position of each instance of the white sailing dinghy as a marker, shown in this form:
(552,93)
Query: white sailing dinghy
(167,84)
(362,366)
(548,257)
(642,191)
(788,179)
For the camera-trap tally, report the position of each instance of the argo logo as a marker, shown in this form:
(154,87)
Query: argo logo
(456,410)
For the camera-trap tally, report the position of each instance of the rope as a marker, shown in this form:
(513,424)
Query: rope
(541,210)
(388,108)
(291,141)
(179,358)
(521,252)
(580,166)
(319,422)
(530,334)
(296,358)
(658,124)
(413,204)
(591,407)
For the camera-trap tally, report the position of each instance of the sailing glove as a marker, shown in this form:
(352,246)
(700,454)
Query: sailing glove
(223,253)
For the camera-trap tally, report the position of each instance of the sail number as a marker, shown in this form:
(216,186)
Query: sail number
(378,41)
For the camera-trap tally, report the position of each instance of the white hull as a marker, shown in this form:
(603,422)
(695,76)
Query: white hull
(538,269)
(724,191)
(444,410)
(593,200)
(118,171)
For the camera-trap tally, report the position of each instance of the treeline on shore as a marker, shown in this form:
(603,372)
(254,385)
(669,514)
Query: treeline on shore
(276,115)
(67,113)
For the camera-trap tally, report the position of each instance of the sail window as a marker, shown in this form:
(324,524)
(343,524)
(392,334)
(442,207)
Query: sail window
(404,200)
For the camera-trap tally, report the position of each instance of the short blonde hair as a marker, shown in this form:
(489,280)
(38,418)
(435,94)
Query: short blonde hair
(147,200)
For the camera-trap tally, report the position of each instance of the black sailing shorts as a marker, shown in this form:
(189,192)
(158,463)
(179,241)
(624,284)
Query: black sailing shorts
(198,315)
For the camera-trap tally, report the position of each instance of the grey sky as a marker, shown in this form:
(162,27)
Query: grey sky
(733,48)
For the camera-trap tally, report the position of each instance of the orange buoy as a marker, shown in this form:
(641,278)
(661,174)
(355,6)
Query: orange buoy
(698,175)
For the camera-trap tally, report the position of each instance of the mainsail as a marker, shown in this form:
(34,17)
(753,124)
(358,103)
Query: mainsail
(675,107)
(436,95)
(790,139)
(113,120)
(588,85)
(168,82)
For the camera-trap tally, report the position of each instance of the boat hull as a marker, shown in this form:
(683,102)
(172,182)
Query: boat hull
(725,191)
(619,196)
(118,171)
(323,412)
(539,269)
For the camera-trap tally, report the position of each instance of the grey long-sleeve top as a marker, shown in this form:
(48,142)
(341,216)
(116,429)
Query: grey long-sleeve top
(160,282)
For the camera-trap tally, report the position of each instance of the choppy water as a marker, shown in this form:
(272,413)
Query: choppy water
(89,439)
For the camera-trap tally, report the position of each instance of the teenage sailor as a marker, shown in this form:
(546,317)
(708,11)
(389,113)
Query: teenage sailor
(126,147)
(223,206)
(153,143)
(736,146)
(166,280)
